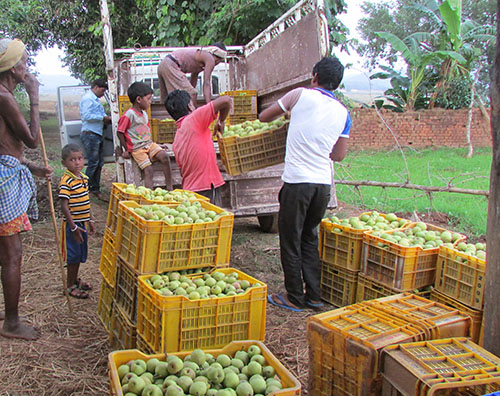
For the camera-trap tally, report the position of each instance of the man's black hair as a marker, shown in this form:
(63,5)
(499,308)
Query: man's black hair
(330,73)
(100,82)
(138,89)
(220,45)
(70,148)
(177,103)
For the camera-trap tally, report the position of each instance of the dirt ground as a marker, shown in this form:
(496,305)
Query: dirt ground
(70,358)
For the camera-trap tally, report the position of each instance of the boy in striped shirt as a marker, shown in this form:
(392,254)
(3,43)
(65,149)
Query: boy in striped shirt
(75,205)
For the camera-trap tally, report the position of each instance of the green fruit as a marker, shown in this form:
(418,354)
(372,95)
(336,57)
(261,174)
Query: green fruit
(123,370)
(215,374)
(231,380)
(161,369)
(152,390)
(254,368)
(268,371)
(184,382)
(244,389)
(138,367)
(243,356)
(174,390)
(136,385)
(175,365)
(258,383)
(198,388)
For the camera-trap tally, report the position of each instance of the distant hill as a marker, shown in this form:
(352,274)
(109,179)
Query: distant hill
(49,83)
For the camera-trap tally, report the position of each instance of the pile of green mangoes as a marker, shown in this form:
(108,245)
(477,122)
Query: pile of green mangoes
(246,373)
(188,212)
(419,235)
(159,194)
(475,250)
(215,284)
(371,221)
(250,128)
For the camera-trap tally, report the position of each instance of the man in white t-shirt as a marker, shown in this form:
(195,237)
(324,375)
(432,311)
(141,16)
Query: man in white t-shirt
(317,135)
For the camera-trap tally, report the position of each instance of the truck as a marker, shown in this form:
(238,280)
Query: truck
(277,60)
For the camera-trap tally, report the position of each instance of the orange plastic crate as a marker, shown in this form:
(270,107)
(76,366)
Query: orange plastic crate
(399,267)
(236,119)
(338,285)
(175,323)
(163,131)
(291,386)
(244,102)
(243,154)
(155,246)
(368,289)
(107,265)
(440,367)
(105,304)
(440,321)
(123,333)
(461,277)
(475,314)
(344,347)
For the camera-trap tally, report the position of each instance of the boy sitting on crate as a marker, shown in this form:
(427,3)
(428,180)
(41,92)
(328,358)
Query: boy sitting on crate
(135,135)
(193,146)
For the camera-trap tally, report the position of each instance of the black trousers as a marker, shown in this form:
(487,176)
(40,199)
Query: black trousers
(302,206)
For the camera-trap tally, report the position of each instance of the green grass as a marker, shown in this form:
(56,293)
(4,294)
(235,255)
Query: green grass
(440,167)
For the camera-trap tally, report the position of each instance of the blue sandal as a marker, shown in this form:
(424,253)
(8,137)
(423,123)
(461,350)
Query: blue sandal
(314,305)
(283,303)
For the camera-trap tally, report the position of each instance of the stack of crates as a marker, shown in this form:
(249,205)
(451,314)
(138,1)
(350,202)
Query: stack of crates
(345,344)
(460,283)
(399,268)
(452,366)
(163,131)
(340,250)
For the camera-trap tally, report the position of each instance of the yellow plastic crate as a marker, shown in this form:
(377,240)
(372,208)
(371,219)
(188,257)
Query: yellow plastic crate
(107,265)
(119,194)
(461,277)
(123,333)
(163,131)
(399,267)
(244,102)
(105,304)
(175,323)
(243,154)
(340,245)
(155,246)
(440,367)
(475,314)
(236,119)
(439,321)
(344,347)
(368,289)
(126,290)
(291,386)
(124,104)
(338,285)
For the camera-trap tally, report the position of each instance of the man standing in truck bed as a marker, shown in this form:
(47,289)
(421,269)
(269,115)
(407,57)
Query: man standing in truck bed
(172,69)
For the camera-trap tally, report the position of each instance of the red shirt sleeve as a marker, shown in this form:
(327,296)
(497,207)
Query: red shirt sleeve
(123,124)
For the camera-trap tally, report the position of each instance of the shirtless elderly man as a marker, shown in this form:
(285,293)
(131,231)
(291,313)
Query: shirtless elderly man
(17,187)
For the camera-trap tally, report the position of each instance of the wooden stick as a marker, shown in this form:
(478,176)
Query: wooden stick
(54,222)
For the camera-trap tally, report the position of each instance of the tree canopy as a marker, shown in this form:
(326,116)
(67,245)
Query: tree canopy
(75,25)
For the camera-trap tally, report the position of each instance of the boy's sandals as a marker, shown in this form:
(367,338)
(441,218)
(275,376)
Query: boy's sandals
(75,292)
(83,285)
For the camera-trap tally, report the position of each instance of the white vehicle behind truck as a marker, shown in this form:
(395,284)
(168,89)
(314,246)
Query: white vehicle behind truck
(279,59)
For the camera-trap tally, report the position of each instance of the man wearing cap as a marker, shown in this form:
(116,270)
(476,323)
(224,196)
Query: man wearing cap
(93,119)
(17,187)
(172,69)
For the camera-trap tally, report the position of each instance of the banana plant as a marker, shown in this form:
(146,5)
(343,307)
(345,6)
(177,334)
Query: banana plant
(418,56)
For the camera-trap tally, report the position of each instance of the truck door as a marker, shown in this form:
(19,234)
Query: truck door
(70,124)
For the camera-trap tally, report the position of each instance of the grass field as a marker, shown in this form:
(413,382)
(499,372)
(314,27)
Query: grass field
(440,167)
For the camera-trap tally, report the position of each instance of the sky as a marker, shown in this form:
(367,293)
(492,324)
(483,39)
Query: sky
(48,61)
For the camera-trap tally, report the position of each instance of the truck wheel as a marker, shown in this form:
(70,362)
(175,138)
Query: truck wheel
(269,223)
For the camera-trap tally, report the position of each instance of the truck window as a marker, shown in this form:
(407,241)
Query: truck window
(70,102)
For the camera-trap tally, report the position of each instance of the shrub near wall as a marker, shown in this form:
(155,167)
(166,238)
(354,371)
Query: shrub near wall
(419,129)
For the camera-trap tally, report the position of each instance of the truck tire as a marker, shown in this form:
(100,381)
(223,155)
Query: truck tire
(269,223)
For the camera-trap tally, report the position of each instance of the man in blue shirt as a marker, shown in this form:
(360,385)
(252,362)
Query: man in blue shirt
(93,118)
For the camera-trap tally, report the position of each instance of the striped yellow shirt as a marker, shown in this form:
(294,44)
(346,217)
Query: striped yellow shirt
(76,190)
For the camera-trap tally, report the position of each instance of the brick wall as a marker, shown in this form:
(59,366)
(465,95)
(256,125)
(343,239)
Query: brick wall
(417,129)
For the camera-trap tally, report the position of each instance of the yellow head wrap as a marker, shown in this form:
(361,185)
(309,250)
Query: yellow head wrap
(11,55)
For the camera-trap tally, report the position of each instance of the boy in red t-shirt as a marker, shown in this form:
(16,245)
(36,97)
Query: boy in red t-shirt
(135,135)
(193,146)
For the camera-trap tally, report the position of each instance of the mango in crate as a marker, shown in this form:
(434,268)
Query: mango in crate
(243,373)
(186,213)
(250,128)
(159,194)
(475,250)
(369,221)
(214,285)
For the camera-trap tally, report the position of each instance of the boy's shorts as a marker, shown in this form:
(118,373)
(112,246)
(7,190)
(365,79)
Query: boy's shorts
(144,155)
(13,227)
(73,252)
